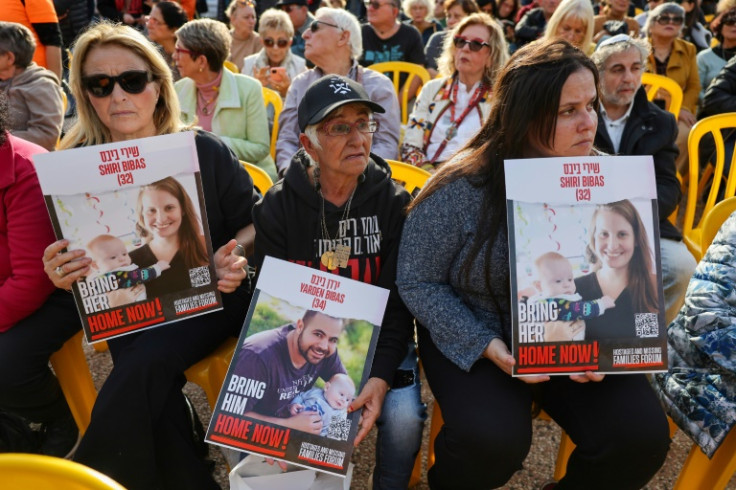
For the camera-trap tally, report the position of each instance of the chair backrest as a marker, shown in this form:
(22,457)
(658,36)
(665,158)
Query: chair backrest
(713,221)
(654,83)
(272,97)
(261,180)
(710,125)
(398,68)
(411,177)
(231,66)
(72,370)
(31,471)
(209,373)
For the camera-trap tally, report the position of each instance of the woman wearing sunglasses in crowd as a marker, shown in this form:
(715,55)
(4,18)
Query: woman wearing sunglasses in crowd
(141,432)
(228,104)
(674,58)
(165,19)
(245,40)
(275,66)
(694,31)
(450,110)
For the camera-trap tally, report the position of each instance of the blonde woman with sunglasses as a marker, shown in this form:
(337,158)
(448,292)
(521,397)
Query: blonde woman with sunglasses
(450,110)
(675,58)
(275,66)
(141,431)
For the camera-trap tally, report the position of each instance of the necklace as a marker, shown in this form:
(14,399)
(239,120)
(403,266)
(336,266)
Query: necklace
(205,103)
(338,257)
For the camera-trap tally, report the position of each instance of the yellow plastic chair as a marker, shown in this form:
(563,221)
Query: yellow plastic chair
(261,180)
(691,230)
(409,176)
(712,223)
(699,472)
(654,83)
(399,68)
(231,66)
(35,471)
(70,366)
(209,373)
(272,97)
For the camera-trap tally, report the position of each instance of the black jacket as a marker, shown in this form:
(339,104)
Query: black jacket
(530,27)
(720,96)
(650,131)
(288,227)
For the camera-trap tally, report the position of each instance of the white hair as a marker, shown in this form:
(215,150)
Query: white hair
(348,22)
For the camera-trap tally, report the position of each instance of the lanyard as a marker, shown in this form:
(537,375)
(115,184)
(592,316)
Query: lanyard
(455,122)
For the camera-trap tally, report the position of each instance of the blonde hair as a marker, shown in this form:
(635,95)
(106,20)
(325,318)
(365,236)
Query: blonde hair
(581,10)
(499,49)
(276,20)
(88,129)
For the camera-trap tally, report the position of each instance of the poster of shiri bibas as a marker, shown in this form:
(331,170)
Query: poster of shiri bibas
(304,354)
(137,209)
(586,285)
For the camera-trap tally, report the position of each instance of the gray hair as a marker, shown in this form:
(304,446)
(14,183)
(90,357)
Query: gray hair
(206,37)
(348,22)
(276,20)
(600,56)
(665,8)
(311,130)
(407,4)
(17,39)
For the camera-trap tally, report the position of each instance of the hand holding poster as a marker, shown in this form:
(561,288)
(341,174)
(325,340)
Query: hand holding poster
(137,209)
(585,266)
(304,353)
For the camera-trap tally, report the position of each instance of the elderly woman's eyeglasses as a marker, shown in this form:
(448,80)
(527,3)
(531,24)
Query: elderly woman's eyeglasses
(344,129)
(269,42)
(133,82)
(474,45)
(670,19)
(314,26)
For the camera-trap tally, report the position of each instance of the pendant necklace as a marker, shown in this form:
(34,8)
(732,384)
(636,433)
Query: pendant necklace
(332,259)
(205,103)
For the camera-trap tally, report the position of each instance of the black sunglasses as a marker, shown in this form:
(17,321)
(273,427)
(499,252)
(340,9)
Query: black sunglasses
(281,43)
(133,82)
(474,45)
(314,26)
(669,19)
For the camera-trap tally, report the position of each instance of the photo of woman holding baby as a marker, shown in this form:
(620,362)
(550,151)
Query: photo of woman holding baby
(623,268)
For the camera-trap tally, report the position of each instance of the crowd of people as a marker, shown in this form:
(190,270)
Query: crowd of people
(512,79)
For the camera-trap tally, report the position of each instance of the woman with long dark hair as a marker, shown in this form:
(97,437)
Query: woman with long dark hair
(453,275)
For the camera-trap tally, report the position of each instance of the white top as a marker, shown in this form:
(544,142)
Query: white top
(467,129)
(616,128)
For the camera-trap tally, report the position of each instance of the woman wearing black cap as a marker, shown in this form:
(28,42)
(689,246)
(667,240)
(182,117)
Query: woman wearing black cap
(337,209)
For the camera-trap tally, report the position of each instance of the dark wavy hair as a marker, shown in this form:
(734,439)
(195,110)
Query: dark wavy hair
(4,118)
(525,103)
(191,243)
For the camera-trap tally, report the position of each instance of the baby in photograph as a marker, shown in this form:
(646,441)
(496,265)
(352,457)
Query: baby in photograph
(330,402)
(110,258)
(555,283)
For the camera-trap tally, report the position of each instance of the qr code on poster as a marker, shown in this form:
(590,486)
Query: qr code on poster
(200,276)
(339,429)
(647,325)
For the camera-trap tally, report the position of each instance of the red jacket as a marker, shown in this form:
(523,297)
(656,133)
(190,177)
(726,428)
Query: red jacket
(25,231)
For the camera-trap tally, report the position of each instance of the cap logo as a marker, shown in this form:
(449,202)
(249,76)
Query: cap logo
(340,87)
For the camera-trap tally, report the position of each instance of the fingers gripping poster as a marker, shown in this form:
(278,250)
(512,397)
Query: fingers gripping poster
(136,209)
(586,281)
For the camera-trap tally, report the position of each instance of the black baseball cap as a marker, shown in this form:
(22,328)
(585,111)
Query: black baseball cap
(280,3)
(327,94)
